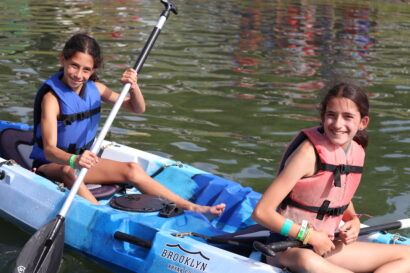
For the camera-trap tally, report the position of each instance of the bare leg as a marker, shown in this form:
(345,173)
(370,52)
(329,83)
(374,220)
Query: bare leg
(109,171)
(380,258)
(300,260)
(66,175)
(356,257)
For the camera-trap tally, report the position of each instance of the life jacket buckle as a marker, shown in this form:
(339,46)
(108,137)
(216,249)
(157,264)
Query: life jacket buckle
(342,169)
(67,122)
(81,116)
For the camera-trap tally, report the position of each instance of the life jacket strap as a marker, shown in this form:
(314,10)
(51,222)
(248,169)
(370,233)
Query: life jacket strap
(320,211)
(69,119)
(338,170)
(72,149)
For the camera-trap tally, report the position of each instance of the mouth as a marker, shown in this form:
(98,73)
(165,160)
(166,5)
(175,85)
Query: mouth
(338,133)
(76,81)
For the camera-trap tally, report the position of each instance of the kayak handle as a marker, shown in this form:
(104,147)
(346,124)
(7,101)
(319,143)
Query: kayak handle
(121,236)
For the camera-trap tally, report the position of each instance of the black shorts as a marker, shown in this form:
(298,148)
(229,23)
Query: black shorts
(37,163)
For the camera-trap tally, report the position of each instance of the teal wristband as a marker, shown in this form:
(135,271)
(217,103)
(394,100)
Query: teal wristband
(286,227)
(71,163)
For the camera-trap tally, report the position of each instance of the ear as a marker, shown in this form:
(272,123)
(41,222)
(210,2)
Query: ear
(364,122)
(62,60)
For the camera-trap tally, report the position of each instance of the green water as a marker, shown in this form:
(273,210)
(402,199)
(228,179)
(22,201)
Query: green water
(227,84)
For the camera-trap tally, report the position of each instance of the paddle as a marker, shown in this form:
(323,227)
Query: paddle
(44,250)
(271,249)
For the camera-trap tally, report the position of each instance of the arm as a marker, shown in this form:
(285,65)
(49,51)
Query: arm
(301,163)
(49,113)
(134,102)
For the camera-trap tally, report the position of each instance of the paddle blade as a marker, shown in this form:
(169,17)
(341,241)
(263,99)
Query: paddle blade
(44,251)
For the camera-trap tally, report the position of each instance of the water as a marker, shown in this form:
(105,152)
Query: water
(227,84)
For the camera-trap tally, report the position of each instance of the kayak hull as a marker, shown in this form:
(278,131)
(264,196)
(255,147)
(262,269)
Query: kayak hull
(30,201)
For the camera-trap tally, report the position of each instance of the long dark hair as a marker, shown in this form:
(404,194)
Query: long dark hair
(355,94)
(81,42)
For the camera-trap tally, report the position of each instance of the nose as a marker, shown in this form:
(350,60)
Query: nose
(338,121)
(78,73)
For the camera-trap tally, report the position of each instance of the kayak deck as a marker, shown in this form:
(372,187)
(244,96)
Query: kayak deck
(90,228)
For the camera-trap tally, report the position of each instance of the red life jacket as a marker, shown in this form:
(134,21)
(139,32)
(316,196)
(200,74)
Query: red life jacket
(321,199)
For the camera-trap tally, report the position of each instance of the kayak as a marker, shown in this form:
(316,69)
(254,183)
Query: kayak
(133,232)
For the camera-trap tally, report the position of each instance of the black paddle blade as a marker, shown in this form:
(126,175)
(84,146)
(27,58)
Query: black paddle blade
(43,252)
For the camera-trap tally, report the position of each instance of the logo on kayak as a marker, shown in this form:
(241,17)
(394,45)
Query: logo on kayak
(185,259)
(21,269)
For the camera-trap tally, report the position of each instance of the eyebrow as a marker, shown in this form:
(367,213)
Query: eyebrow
(76,63)
(344,113)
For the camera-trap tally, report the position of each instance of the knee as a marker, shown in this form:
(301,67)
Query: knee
(405,255)
(68,175)
(304,260)
(310,263)
(133,172)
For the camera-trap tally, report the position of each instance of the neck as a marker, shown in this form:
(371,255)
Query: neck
(347,148)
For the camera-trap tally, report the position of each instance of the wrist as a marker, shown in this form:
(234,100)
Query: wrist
(71,162)
(302,231)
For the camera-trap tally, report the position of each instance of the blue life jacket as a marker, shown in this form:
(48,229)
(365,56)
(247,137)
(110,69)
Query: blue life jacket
(78,121)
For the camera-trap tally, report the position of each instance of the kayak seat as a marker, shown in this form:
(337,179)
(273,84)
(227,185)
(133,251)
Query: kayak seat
(17,144)
(107,190)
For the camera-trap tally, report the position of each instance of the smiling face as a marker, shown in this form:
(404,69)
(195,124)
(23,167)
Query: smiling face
(77,70)
(341,121)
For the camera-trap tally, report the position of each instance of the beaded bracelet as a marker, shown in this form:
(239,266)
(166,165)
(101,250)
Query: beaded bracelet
(302,231)
(71,162)
(286,227)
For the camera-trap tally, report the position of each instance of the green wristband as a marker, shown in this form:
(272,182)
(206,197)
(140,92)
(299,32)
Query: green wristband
(302,231)
(72,158)
(286,227)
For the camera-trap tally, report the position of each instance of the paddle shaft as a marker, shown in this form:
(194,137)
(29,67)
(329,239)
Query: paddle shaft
(270,249)
(97,144)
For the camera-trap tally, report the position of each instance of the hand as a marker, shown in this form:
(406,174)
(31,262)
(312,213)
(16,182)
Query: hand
(321,243)
(86,160)
(349,232)
(130,76)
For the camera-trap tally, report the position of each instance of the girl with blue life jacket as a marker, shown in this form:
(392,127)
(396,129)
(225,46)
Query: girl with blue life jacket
(66,119)
(318,176)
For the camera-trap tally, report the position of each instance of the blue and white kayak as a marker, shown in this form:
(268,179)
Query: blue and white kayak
(143,241)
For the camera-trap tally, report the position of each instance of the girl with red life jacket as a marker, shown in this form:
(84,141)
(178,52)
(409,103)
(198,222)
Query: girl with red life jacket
(318,176)
(66,117)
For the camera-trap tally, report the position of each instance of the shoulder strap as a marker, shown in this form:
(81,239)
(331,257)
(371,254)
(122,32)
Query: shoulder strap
(44,89)
(292,147)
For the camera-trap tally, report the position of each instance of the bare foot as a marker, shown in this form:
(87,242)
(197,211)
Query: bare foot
(214,210)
